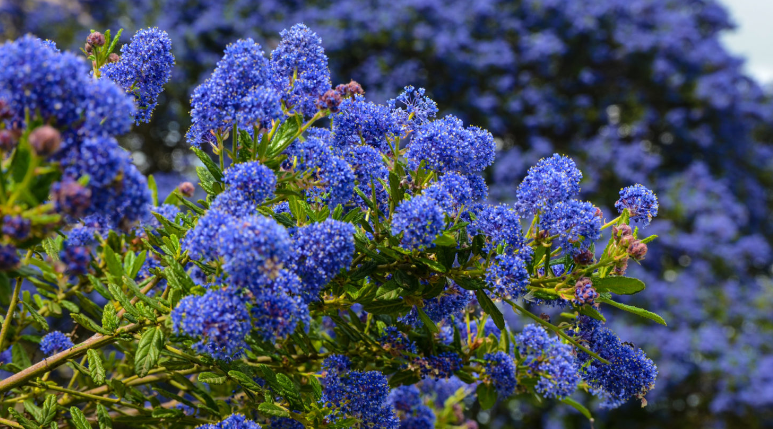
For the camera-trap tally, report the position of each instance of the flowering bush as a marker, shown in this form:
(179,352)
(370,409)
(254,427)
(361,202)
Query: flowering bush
(343,270)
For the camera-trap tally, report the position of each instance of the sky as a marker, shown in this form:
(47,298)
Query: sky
(753,39)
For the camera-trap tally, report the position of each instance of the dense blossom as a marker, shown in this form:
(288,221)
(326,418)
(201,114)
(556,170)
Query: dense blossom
(641,203)
(630,374)
(553,180)
(254,180)
(278,311)
(441,365)
(413,414)
(508,276)
(219,318)
(445,145)
(549,359)
(420,220)
(501,370)
(575,222)
(359,121)
(334,174)
(234,421)
(319,251)
(501,225)
(299,69)
(417,105)
(145,66)
(451,192)
(55,342)
(202,241)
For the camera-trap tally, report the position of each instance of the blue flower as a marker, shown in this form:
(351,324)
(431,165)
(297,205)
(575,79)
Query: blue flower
(254,179)
(320,251)
(362,395)
(259,108)
(630,374)
(219,318)
(420,220)
(145,66)
(507,276)
(451,192)
(501,370)
(551,181)
(413,414)
(396,342)
(419,106)
(254,249)
(451,301)
(445,145)
(232,92)
(575,222)
(442,365)
(500,224)
(55,342)
(9,257)
(16,227)
(641,203)
(277,311)
(299,69)
(359,121)
(107,109)
(333,173)
(201,242)
(234,421)
(549,359)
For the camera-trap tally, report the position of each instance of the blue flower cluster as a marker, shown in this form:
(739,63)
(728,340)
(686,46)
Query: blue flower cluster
(501,370)
(549,359)
(234,421)
(55,342)
(219,318)
(413,414)
(363,395)
(630,374)
(143,70)
(642,204)
(445,145)
(420,220)
(441,365)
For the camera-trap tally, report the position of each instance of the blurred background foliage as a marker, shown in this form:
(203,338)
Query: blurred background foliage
(637,91)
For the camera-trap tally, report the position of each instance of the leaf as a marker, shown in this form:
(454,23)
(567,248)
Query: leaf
(144,298)
(49,410)
(273,410)
(431,326)
(446,239)
(89,324)
(592,313)
(405,377)
(113,263)
(246,381)
(99,287)
(35,315)
(433,264)
(34,410)
(121,297)
(284,136)
(103,417)
(148,350)
(95,367)
(109,318)
(635,310)
(212,378)
(137,264)
(287,384)
(579,407)
(52,247)
(79,419)
(487,396)
(213,169)
(153,189)
(390,306)
(490,308)
(618,285)
(23,421)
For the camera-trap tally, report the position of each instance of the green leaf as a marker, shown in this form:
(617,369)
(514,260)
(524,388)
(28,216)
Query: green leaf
(631,309)
(99,287)
(121,297)
(433,264)
(34,410)
(89,324)
(153,189)
(446,239)
(283,136)
(213,169)
(579,407)
(490,308)
(49,410)
(103,417)
(23,421)
(273,410)
(390,306)
(95,367)
(114,266)
(148,350)
(52,247)
(109,318)
(79,419)
(212,378)
(40,320)
(287,384)
(137,264)
(431,326)
(21,162)
(152,302)
(246,381)
(404,378)
(618,285)
(487,395)
(592,313)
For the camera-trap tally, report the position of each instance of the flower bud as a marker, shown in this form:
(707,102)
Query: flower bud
(329,100)
(187,189)
(545,317)
(113,58)
(88,48)
(45,140)
(350,89)
(585,257)
(584,292)
(96,39)
(637,250)
(5,111)
(620,267)
(621,231)
(8,140)
(71,197)
(626,241)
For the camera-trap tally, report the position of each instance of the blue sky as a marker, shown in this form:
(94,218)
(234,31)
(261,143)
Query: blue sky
(754,37)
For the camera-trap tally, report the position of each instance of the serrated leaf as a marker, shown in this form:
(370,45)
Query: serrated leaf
(114,266)
(95,367)
(49,410)
(121,297)
(89,324)
(109,318)
(103,417)
(390,306)
(487,395)
(152,302)
(635,310)
(148,351)
(446,239)
(79,419)
(213,169)
(490,308)
(212,378)
(403,378)
(40,320)
(23,421)
(245,381)
(618,285)
(273,410)
(34,410)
